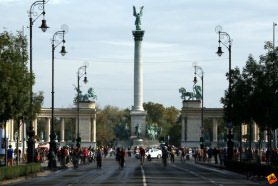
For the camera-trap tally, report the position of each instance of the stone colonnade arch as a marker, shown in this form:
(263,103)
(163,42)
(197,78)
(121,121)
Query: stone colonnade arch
(87,126)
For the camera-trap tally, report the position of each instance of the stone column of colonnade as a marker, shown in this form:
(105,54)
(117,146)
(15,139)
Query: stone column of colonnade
(62,130)
(20,131)
(93,130)
(11,130)
(183,129)
(76,128)
(35,125)
(256,132)
(47,129)
(214,130)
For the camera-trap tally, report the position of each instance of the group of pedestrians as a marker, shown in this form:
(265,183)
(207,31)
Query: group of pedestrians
(79,155)
(13,155)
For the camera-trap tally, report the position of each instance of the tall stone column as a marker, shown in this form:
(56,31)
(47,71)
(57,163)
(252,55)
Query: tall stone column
(137,113)
(138,71)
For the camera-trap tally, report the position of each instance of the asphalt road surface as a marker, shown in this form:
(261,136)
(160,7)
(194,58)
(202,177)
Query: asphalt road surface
(151,173)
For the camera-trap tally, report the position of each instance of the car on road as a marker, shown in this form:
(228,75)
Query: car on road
(154,153)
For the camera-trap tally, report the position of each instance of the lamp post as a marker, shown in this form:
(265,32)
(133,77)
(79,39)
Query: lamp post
(226,36)
(199,72)
(39,5)
(274,25)
(52,143)
(82,71)
(275,131)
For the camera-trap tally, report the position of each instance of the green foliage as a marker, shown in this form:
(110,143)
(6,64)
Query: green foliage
(254,94)
(113,123)
(107,120)
(164,117)
(20,170)
(16,81)
(175,135)
(154,112)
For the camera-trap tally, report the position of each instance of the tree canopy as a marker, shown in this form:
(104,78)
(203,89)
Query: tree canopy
(15,79)
(254,91)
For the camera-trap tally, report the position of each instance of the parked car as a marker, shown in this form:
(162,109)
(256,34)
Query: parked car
(154,153)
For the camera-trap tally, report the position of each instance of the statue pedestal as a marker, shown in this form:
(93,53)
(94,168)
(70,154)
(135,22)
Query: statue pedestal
(137,142)
(87,123)
(138,119)
(192,115)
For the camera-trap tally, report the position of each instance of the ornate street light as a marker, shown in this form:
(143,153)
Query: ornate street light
(225,35)
(274,25)
(274,52)
(80,73)
(39,5)
(53,146)
(199,72)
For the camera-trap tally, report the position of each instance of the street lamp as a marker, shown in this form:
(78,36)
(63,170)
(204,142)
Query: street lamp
(53,145)
(80,73)
(40,6)
(275,131)
(226,36)
(274,25)
(199,72)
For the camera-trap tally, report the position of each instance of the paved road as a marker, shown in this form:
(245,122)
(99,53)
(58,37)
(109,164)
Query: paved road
(151,173)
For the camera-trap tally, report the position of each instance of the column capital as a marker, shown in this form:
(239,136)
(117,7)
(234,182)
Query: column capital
(138,35)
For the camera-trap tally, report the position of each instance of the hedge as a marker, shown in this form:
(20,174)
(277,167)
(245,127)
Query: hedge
(19,170)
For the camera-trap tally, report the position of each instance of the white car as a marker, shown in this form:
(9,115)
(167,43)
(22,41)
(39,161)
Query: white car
(154,153)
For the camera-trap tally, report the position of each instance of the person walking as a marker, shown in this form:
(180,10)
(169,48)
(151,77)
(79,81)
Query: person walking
(122,158)
(164,156)
(172,155)
(10,155)
(215,154)
(142,155)
(99,158)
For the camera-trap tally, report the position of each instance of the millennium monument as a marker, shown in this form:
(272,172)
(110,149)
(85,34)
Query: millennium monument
(138,115)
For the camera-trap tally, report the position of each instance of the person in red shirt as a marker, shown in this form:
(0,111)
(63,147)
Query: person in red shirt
(85,155)
(142,155)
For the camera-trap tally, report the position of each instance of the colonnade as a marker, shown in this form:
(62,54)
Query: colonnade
(191,129)
(87,128)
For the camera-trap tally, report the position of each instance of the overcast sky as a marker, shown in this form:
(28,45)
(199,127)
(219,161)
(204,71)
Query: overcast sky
(177,33)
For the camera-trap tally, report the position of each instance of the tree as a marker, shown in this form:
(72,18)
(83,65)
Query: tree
(16,81)
(165,117)
(154,112)
(107,120)
(254,94)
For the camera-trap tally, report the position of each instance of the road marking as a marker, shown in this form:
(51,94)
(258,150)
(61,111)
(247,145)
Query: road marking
(144,177)
(197,175)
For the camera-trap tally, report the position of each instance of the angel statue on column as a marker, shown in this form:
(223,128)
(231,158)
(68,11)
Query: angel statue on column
(138,17)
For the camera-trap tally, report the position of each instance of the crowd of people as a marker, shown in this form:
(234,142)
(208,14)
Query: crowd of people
(84,155)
